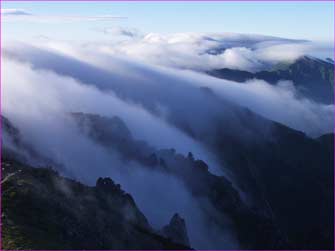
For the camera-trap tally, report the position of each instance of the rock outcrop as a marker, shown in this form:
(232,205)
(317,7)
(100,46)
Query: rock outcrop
(176,230)
(43,210)
(222,197)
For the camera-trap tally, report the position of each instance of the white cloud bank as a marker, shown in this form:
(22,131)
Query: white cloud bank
(206,51)
(167,90)
(159,104)
(38,103)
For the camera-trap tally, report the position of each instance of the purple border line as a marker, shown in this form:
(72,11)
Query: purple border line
(0,126)
(181,1)
(334,122)
(144,1)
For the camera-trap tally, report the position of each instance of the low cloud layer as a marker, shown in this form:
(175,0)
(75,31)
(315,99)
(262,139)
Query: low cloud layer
(169,105)
(175,94)
(48,128)
(206,51)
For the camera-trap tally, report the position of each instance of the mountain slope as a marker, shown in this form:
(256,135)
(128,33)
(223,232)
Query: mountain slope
(220,196)
(42,210)
(314,78)
(288,175)
(293,175)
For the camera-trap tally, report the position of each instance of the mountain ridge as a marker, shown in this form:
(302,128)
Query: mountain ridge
(312,77)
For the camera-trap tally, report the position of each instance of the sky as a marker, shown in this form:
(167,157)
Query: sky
(58,20)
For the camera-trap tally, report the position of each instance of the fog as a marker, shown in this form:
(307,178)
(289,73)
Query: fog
(207,51)
(167,105)
(281,103)
(162,195)
(49,129)
(174,95)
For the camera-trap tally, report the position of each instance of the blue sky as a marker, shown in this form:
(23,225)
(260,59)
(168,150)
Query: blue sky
(302,20)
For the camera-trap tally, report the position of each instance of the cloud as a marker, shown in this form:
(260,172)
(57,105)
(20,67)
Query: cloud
(207,51)
(120,32)
(14,12)
(193,51)
(167,107)
(174,94)
(49,129)
(280,103)
(19,15)
(283,52)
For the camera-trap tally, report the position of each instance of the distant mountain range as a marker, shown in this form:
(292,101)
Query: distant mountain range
(314,78)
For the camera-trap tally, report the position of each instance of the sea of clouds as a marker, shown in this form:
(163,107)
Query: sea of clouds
(155,83)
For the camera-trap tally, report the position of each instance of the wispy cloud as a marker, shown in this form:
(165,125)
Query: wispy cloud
(23,15)
(120,31)
(14,12)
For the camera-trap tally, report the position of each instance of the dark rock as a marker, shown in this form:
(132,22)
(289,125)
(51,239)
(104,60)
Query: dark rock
(176,230)
(44,211)
(190,157)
